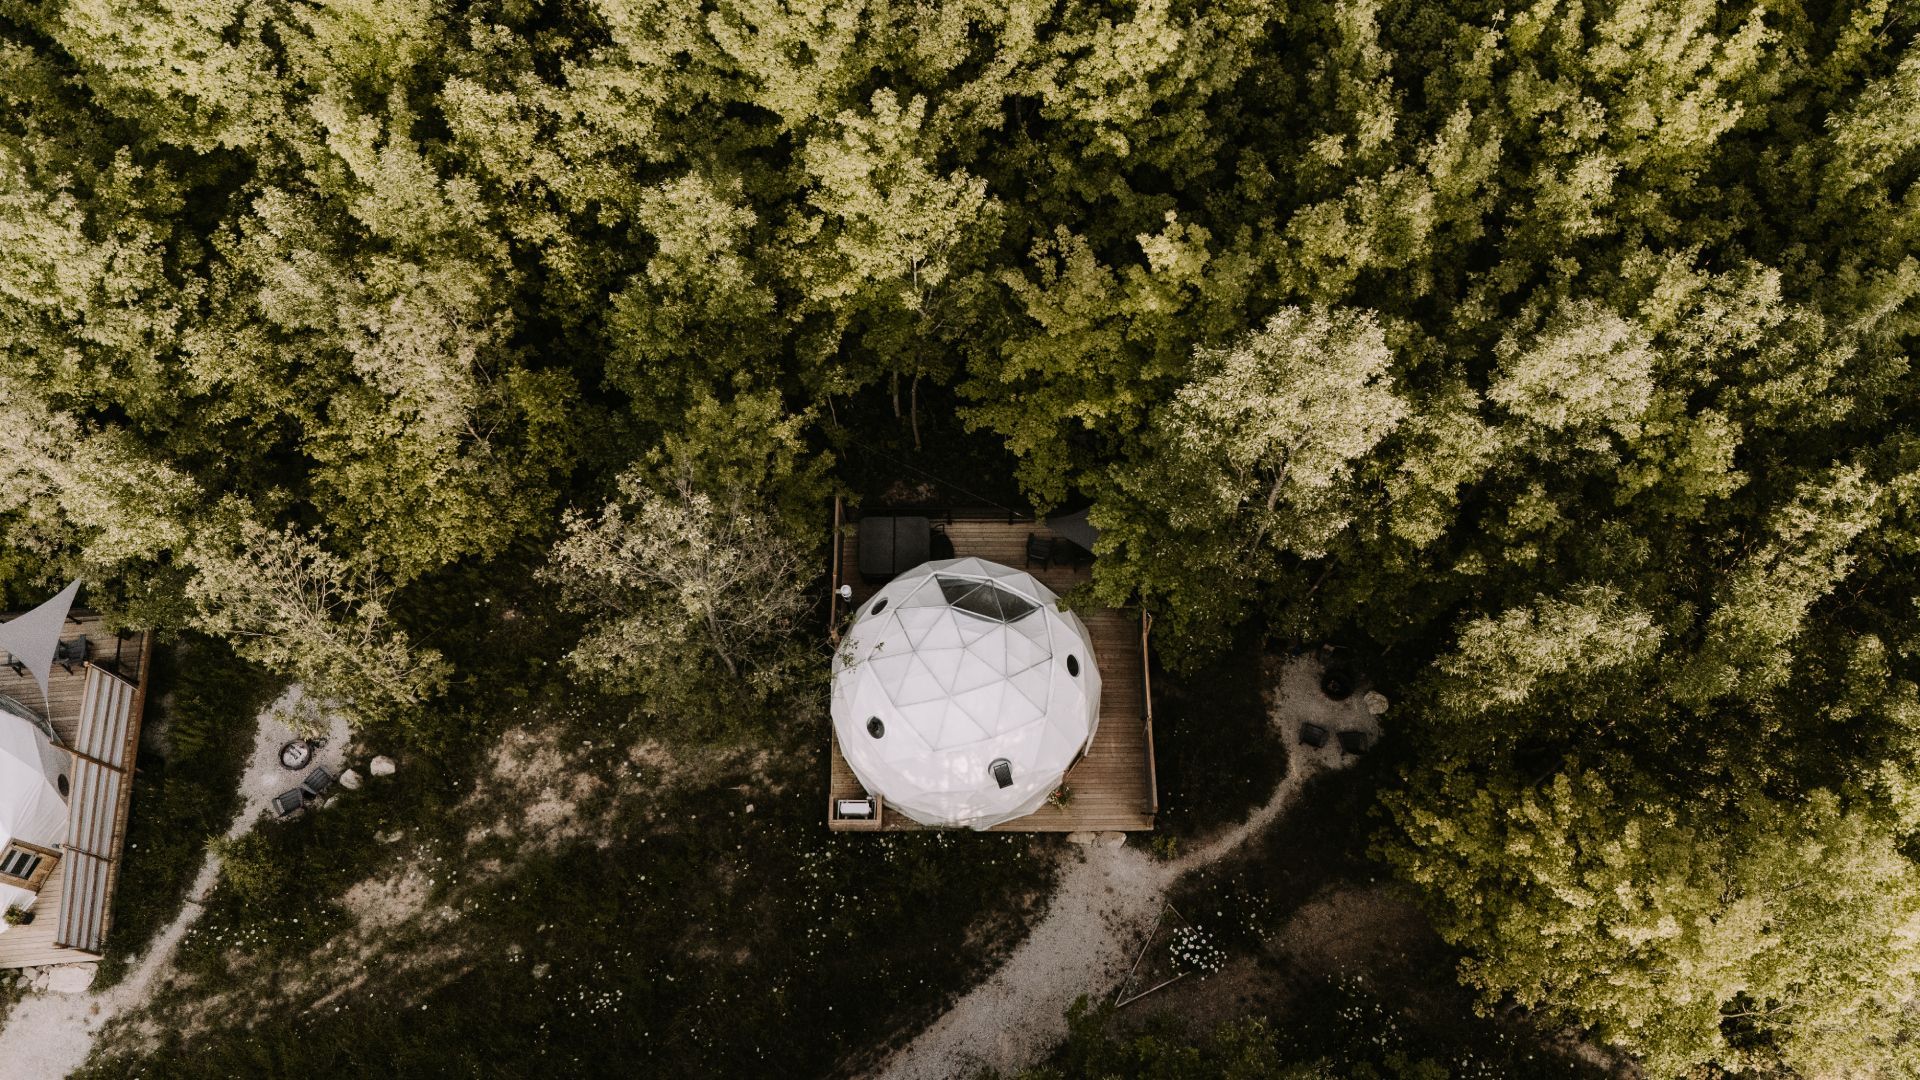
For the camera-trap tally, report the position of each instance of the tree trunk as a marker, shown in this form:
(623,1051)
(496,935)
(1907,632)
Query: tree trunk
(915,397)
(896,395)
(719,643)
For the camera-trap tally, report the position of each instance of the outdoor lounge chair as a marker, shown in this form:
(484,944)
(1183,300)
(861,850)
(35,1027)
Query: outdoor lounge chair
(1355,742)
(1313,735)
(317,783)
(288,803)
(69,653)
(19,668)
(1039,550)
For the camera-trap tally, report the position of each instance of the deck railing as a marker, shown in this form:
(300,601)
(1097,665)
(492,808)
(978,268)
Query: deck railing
(833,575)
(1146,710)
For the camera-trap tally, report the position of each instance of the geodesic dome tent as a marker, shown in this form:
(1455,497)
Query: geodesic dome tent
(32,808)
(962,693)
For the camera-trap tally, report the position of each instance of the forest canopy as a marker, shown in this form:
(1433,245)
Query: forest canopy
(1556,355)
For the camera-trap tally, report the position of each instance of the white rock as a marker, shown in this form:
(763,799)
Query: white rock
(381,766)
(1376,702)
(1112,839)
(71,978)
(350,780)
(1083,838)
(40,978)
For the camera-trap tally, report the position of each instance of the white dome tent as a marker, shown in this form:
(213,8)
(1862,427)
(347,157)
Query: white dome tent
(962,693)
(32,808)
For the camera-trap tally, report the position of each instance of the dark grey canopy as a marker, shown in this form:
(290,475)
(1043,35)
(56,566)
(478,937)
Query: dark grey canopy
(1075,527)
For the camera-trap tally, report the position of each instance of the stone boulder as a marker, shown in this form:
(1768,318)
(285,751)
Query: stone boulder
(1376,702)
(381,766)
(71,978)
(1112,839)
(351,780)
(1085,839)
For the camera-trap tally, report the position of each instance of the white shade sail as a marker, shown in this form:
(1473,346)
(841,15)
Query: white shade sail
(953,668)
(33,638)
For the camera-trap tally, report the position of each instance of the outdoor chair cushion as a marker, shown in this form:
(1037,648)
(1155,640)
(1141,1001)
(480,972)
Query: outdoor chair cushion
(317,782)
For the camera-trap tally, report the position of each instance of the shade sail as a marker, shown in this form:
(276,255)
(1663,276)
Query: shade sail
(33,638)
(1075,527)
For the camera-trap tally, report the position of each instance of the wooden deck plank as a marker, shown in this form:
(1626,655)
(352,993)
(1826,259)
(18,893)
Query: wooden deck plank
(33,945)
(1112,785)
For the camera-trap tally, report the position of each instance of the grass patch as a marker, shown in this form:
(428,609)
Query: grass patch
(1320,841)
(687,936)
(201,706)
(1217,756)
(1343,1029)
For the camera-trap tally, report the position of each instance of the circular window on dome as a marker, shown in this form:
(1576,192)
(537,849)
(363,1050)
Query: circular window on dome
(875,727)
(63,784)
(1073,666)
(879,606)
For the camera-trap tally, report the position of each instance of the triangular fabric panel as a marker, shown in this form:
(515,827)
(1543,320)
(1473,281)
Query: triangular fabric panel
(33,638)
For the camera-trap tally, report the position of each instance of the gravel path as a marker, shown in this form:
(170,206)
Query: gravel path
(1104,906)
(48,1036)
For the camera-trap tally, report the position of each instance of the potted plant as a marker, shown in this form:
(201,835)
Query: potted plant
(1062,797)
(19,916)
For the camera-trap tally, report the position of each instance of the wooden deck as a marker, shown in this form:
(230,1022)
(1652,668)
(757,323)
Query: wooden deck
(33,945)
(1113,786)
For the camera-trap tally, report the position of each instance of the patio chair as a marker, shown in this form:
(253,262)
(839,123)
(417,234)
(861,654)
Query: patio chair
(1313,735)
(1355,742)
(1039,550)
(939,545)
(19,668)
(288,803)
(69,653)
(318,782)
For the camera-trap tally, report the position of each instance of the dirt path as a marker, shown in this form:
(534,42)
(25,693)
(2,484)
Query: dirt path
(1103,908)
(48,1036)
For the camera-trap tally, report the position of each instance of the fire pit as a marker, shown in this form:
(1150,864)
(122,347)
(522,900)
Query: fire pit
(296,754)
(1336,685)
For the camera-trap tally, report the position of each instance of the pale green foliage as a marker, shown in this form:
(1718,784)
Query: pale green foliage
(690,596)
(1586,370)
(1586,899)
(1251,460)
(70,484)
(191,68)
(886,222)
(1501,662)
(1764,601)
(1278,419)
(290,605)
(699,302)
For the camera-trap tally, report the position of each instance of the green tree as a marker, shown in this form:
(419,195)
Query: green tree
(292,606)
(1251,461)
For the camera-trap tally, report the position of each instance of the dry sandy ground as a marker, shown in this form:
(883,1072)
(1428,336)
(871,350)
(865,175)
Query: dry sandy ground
(1104,906)
(50,1035)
